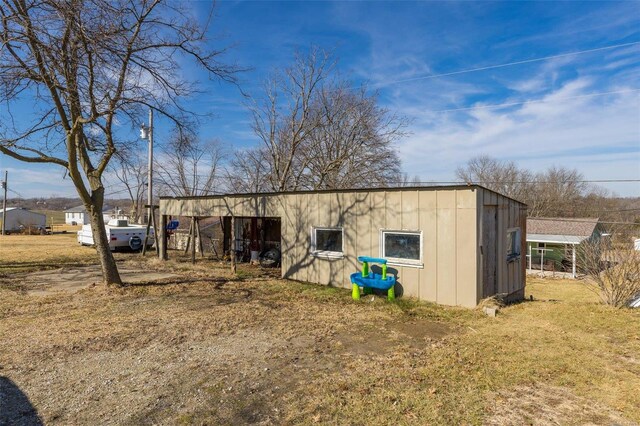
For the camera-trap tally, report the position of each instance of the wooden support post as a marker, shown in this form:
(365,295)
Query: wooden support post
(186,247)
(233,245)
(151,221)
(573,261)
(199,237)
(146,236)
(161,238)
(255,245)
(155,229)
(193,239)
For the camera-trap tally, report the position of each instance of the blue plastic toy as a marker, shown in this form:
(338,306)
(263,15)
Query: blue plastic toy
(368,280)
(172,226)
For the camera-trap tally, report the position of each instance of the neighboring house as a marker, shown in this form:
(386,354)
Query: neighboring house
(79,216)
(19,218)
(552,242)
(452,245)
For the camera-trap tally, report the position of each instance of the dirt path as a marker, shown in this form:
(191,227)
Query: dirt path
(72,279)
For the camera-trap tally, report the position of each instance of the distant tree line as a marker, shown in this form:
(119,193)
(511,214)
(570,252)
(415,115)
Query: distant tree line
(555,192)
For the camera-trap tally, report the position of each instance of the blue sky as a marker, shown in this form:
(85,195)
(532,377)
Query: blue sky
(580,111)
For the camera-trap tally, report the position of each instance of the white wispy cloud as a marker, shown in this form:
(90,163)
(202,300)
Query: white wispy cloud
(578,132)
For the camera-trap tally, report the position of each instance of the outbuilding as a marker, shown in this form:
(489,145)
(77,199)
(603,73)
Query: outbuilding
(19,218)
(552,242)
(452,245)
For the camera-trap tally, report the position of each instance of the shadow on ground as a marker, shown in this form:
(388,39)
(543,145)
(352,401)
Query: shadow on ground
(15,407)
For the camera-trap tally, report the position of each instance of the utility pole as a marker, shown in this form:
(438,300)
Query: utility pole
(150,167)
(147,133)
(4,201)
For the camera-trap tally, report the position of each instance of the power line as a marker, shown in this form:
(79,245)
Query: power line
(536,101)
(484,182)
(508,64)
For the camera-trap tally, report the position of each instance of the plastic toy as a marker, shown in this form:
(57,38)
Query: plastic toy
(368,280)
(172,226)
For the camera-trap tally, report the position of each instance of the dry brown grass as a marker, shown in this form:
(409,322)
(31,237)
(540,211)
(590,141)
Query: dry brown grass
(229,350)
(33,252)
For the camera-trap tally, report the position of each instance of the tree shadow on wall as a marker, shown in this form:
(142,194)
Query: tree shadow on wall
(15,407)
(346,211)
(300,252)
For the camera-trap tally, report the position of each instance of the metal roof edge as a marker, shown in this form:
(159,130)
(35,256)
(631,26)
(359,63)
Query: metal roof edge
(338,191)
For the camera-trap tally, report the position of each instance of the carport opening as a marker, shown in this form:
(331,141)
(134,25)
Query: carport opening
(257,239)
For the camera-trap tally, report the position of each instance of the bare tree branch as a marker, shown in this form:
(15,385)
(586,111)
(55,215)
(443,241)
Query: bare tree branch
(93,66)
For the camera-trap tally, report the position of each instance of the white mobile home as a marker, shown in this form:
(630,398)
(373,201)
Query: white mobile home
(19,218)
(79,216)
(452,245)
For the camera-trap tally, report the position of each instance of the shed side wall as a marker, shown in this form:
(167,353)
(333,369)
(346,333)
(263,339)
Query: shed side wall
(447,219)
(510,275)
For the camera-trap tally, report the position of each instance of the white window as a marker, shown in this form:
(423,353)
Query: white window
(513,244)
(403,248)
(327,242)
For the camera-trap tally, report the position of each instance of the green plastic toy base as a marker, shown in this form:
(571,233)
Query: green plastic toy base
(391,294)
(355,292)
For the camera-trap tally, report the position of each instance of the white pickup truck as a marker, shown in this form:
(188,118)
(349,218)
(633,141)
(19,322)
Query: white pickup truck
(121,235)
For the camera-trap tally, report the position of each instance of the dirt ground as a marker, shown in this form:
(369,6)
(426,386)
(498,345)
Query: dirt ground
(72,279)
(194,345)
(231,351)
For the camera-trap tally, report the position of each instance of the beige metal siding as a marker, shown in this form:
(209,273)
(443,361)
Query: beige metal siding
(429,225)
(446,251)
(449,219)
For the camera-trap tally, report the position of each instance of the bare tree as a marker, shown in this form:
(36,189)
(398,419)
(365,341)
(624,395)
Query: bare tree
(318,133)
(501,176)
(284,117)
(353,144)
(612,267)
(130,170)
(187,166)
(87,67)
(557,191)
(249,171)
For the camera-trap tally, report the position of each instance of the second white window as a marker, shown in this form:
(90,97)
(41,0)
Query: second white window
(402,247)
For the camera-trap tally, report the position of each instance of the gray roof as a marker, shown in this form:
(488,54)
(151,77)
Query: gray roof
(561,228)
(20,208)
(82,209)
(555,239)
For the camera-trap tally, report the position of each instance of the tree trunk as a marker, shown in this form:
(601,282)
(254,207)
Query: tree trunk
(110,273)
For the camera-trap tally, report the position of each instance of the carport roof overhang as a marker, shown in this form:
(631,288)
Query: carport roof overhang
(555,239)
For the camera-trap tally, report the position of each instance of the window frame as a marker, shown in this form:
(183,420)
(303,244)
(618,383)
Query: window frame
(518,240)
(326,253)
(398,261)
